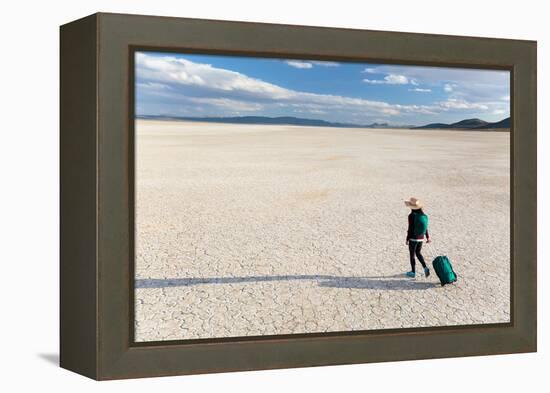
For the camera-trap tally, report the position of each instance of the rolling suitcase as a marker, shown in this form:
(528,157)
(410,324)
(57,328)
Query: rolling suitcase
(444,269)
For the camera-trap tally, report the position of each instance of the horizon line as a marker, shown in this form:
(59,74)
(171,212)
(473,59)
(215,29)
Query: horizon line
(333,124)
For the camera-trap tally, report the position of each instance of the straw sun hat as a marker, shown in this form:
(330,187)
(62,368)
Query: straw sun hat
(413,203)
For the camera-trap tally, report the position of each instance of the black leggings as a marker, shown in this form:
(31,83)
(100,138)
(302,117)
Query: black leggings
(414,249)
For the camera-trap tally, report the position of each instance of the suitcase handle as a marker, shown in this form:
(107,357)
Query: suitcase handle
(432,249)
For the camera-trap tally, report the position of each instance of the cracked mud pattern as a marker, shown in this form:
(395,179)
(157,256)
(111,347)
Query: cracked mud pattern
(245,230)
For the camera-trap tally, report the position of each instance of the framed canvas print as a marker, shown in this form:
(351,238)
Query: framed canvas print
(241,196)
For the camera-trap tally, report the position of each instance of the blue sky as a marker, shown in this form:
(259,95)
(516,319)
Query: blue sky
(214,85)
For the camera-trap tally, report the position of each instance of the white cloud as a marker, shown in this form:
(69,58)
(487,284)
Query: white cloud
(439,75)
(505,98)
(419,90)
(315,111)
(178,72)
(499,112)
(454,103)
(309,64)
(370,71)
(390,111)
(235,105)
(153,86)
(299,64)
(394,79)
(473,85)
(229,88)
(391,79)
(375,81)
(326,63)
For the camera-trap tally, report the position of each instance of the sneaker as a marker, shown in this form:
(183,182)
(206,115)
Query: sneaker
(411,274)
(427,272)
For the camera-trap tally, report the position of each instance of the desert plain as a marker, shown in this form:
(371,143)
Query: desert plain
(249,230)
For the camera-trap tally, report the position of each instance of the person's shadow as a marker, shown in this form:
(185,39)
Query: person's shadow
(393,282)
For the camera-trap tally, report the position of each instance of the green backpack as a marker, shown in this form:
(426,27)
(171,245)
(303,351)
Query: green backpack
(420,224)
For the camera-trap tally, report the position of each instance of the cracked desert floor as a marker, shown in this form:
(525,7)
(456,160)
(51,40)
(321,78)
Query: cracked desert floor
(246,230)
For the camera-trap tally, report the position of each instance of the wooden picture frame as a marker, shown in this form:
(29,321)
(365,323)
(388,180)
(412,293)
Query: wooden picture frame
(96,266)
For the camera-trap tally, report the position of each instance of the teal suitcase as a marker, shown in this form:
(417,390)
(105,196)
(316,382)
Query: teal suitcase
(444,270)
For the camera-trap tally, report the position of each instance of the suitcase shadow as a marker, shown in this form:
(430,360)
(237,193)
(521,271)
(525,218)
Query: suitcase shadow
(381,283)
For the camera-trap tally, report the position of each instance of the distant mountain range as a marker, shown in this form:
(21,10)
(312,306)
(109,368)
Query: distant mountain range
(470,124)
(467,124)
(503,124)
(283,120)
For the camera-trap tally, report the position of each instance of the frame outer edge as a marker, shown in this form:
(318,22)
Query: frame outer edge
(525,191)
(78,202)
(117,358)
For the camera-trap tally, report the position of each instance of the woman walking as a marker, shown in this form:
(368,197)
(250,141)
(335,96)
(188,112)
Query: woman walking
(417,233)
